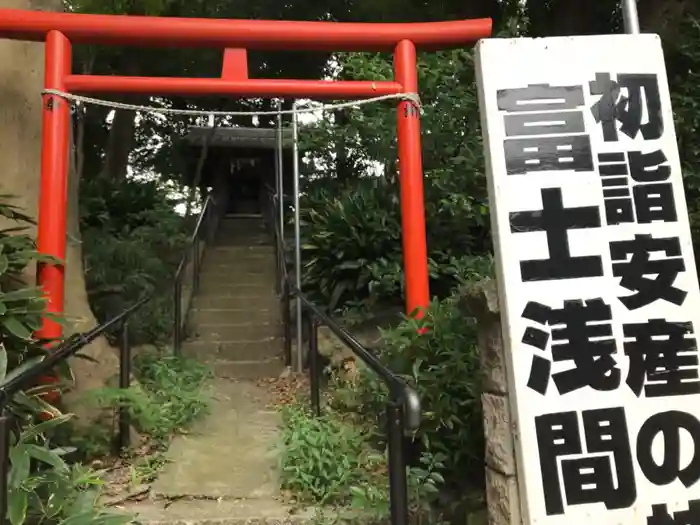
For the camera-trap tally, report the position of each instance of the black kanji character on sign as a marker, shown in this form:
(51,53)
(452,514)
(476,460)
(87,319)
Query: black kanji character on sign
(590,346)
(587,479)
(556,220)
(541,367)
(661,516)
(653,198)
(581,333)
(663,358)
(613,171)
(669,424)
(554,153)
(634,272)
(549,123)
(542,109)
(540,97)
(614,106)
(648,167)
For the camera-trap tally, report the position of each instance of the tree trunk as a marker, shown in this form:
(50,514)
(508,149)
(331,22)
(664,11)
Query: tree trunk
(119,144)
(21,81)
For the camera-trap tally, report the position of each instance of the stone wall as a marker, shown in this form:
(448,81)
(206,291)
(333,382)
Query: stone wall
(501,473)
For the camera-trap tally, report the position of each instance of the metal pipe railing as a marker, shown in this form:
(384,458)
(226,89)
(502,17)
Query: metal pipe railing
(193,255)
(403,411)
(57,355)
(201,236)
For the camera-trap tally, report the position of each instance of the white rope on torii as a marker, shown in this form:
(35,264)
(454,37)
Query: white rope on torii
(302,107)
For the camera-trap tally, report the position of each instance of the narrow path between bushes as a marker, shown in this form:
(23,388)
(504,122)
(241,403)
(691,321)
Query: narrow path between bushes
(226,470)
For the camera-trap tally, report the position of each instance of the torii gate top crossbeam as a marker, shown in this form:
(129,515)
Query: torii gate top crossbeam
(250,34)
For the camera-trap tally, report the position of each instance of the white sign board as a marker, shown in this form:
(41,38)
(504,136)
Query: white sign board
(597,278)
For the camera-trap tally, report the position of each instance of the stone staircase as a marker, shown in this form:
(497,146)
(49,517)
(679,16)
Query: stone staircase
(224,471)
(235,323)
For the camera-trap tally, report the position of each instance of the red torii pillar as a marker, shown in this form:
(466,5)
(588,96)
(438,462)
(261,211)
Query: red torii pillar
(60,30)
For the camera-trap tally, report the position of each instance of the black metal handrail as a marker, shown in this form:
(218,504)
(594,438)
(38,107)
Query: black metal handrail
(403,411)
(56,355)
(73,344)
(282,285)
(194,255)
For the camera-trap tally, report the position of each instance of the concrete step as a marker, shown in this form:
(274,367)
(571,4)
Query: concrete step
(237,271)
(209,316)
(256,284)
(240,350)
(253,330)
(240,251)
(242,258)
(235,277)
(252,241)
(218,511)
(243,223)
(263,301)
(233,268)
(224,368)
(259,288)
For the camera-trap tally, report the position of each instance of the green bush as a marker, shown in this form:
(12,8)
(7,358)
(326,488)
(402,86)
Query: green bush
(133,240)
(170,395)
(444,366)
(352,221)
(329,461)
(21,311)
(43,488)
(352,248)
(349,235)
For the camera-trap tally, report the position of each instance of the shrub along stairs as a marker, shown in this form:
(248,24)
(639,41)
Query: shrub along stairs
(225,470)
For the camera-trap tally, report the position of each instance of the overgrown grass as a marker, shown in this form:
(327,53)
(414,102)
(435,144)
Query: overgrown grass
(175,391)
(166,399)
(330,461)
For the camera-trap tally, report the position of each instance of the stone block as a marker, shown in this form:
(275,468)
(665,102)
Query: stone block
(500,454)
(481,301)
(502,497)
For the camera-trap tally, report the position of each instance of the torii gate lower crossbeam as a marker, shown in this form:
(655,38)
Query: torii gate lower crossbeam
(61,30)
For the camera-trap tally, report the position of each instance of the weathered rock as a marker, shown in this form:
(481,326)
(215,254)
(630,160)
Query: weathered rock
(481,300)
(503,504)
(503,499)
(499,434)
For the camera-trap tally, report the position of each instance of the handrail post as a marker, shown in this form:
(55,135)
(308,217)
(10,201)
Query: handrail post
(177,318)
(5,428)
(314,371)
(124,435)
(398,482)
(195,265)
(287,322)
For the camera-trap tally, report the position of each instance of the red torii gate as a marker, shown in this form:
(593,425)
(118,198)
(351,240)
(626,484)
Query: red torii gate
(61,30)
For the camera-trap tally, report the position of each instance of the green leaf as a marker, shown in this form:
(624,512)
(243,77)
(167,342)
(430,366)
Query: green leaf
(17,506)
(85,502)
(29,363)
(3,362)
(43,427)
(16,328)
(23,294)
(84,518)
(45,455)
(19,469)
